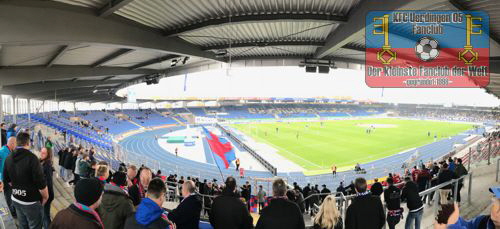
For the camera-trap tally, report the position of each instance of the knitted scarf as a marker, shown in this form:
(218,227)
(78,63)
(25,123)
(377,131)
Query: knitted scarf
(90,211)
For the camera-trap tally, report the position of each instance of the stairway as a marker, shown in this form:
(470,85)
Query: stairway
(172,117)
(137,124)
(63,196)
(179,121)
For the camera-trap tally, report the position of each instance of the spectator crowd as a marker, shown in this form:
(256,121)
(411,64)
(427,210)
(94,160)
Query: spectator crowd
(134,197)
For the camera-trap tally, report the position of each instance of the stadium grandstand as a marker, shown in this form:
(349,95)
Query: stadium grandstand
(249,114)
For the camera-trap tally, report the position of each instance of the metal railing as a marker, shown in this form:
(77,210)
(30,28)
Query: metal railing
(429,194)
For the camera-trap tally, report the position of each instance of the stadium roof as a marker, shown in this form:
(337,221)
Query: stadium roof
(84,50)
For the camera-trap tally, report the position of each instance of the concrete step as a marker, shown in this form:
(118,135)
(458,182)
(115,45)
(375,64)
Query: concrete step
(63,196)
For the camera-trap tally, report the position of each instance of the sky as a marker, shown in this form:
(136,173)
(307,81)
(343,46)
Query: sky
(295,82)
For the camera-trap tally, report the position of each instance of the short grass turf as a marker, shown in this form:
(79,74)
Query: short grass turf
(345,142)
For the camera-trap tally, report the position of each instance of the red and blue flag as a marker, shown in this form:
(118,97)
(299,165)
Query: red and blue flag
(220,147)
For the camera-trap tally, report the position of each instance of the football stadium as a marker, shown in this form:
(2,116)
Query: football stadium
(205,114)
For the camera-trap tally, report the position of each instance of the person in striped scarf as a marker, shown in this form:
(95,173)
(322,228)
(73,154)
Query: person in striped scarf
(82,214)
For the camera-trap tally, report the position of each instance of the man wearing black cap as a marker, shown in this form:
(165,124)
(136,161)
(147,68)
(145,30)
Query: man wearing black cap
(82,214)
(116,205)
(29,189)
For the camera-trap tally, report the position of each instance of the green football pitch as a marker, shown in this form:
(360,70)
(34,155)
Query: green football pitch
(316,146)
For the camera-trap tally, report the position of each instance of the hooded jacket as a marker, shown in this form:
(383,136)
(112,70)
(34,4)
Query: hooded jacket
(23,169)
(411,196)
(281,213)
(74,218)
(149,215)
(115,207)
(228,212)
(365,212)
(69,161)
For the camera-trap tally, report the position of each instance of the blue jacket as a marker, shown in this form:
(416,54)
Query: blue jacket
(148,215)
(11,133)
(4,152)
(472,224)
(451,166)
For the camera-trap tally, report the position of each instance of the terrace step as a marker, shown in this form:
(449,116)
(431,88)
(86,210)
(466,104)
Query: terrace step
(63,196)
(179,121)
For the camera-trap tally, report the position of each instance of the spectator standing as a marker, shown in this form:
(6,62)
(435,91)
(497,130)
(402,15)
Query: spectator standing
(228,211)
(5,151)
(281,212)
(247,194)
(414,203)
(62,154)
(131,175)
(150,213)
(84,167)
(73,159)
(187,214)
(237,164)
(261,196)
(3,134)
(366,211)
(48,170)
(138,191)
(328,216)
(102,172)
(376,188)
(299,200)
(68,166)
(451,164)
(324,191)
(460,171)
(392,198)
(306,192)
(82,214)
(423,179)
(341,189)
(116,205)
(315,198)
(11,132)
(29,188)
(444,176)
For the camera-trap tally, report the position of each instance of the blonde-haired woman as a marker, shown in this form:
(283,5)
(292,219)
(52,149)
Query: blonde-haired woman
(328,216)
